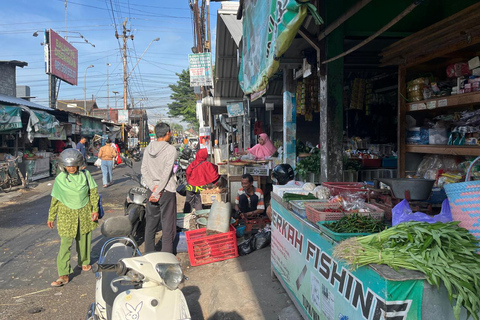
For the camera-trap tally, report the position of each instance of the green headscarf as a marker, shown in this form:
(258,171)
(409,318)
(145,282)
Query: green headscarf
(72,189)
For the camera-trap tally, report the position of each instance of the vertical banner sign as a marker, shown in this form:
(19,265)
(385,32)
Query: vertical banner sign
(323,287)
(205,139)
(63,59)
(200,67)
(123,116)
(269,27)
(290,129)
(199,110)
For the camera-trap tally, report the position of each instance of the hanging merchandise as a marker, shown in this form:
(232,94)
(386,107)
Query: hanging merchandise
(358,94)
(258,128)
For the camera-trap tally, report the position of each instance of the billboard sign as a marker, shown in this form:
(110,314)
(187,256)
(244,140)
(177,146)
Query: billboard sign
(63,59)
(235,109)
(200,67)
(122,116)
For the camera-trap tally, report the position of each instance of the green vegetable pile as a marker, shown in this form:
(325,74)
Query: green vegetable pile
(294,196)
(444,252)
(309,164)
(356,223)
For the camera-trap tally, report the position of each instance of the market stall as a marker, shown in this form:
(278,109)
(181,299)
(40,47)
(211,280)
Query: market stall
(325,287)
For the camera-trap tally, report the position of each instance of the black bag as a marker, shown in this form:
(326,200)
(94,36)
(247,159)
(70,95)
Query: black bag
(101,212)
(246,247)
(182,190)
(262,239)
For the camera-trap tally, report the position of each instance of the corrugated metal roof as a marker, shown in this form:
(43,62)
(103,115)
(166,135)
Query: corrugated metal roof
(234,26)
(23,102)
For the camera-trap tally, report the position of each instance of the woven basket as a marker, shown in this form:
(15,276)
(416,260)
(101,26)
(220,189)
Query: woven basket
(464,198)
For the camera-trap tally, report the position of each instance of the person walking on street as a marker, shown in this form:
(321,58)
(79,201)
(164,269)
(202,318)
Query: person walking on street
(157,171)
(199,173)
(107,154)
(81,147)
(75,207)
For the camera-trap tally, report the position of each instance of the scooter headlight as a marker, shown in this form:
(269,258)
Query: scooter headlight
(171,274)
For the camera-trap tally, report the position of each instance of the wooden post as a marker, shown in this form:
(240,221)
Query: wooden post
(331,100)
(402,92)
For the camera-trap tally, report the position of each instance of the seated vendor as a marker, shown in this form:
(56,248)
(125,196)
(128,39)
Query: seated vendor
(263,149)
(249,201)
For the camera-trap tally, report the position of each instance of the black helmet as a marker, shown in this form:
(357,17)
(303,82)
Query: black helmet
(283,173)
(71,158)
(186,153)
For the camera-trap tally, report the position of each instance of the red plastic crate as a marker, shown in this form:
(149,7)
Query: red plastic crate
(339,188)
(203,249)
(371,163)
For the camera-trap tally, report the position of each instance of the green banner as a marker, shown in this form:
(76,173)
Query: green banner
(10,118)
(45,124)
(269,28)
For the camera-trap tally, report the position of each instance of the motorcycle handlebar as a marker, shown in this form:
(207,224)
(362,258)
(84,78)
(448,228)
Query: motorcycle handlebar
(105,267)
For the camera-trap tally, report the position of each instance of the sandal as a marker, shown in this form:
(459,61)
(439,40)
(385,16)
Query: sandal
(105,185)
(87,267)
(62,280)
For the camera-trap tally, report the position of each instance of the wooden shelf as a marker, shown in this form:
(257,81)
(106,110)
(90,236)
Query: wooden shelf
(444,149)
(458,100)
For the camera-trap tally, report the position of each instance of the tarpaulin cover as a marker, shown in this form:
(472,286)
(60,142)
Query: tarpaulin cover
(10,118)
(269,28)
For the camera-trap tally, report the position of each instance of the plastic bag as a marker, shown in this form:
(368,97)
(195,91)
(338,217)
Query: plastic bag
(246,247)
(98,163)
(262,239)
(402,213)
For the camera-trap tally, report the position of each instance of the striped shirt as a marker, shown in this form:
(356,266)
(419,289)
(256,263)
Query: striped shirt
(258,193)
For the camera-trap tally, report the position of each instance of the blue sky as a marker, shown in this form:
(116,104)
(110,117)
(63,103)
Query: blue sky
(171,20)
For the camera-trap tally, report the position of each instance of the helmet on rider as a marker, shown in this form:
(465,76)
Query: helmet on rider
(71,158)
(186,153)
(283,173)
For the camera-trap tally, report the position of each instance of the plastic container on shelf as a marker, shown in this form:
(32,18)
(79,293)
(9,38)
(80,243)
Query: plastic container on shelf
(390,162)
(372,174)
(335,235)
(219,218)
(298,206)
(372,163)
(339,188)
(323,212)
(203,249)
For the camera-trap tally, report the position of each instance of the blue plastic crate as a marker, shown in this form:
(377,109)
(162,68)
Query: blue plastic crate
(389,162)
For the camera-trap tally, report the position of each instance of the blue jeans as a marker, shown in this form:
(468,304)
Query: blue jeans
(107,171)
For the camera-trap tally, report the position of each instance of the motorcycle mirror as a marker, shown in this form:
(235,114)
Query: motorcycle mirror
(116,227)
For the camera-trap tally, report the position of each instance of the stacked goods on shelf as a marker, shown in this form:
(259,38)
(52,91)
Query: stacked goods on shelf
(358,94)
(419,89)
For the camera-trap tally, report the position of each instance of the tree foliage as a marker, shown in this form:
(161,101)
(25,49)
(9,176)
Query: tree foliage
(184,102)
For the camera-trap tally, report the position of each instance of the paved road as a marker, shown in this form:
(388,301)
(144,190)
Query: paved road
(29,249)
(234,289)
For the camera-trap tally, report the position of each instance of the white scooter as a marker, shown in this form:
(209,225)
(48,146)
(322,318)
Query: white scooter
(134,287)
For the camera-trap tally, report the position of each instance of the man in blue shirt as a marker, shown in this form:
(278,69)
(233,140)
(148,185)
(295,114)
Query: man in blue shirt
(81,147)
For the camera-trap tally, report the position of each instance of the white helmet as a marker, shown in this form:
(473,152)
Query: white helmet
(71,158)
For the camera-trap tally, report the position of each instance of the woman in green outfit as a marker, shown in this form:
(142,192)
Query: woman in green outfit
(75,207)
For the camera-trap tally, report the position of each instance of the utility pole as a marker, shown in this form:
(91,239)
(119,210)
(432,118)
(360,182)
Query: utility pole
(108,89)
(125,37)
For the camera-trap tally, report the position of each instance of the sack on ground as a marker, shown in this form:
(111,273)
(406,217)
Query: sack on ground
(402,213)
(247,247)
(262,239)
(98,162)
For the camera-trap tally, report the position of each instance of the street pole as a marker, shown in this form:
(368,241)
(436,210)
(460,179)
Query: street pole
(85,89)
(125,83)
(108,90)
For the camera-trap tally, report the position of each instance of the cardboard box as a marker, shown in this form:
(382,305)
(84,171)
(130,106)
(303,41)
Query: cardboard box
(474,63)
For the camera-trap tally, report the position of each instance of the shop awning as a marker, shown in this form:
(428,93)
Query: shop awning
(23,102)
(229,35)
(234,26)
(268,31)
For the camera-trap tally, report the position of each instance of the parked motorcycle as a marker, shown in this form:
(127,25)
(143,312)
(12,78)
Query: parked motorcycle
(132,286)
(186,156)
(135,153)
(135,203)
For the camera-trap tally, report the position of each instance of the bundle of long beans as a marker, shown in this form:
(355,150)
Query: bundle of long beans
(445,252)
